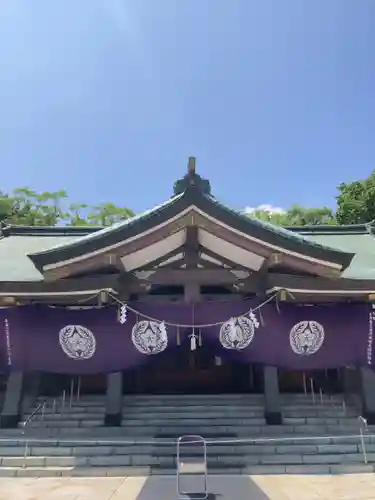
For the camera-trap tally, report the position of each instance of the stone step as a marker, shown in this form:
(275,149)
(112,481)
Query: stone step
(195,397)
(166,413)
(139,432)
(355,468)
(151,420)
(170,461)
(223,407)
(69,420)
(75,441)
(91,447)
(165,449)
(204,427)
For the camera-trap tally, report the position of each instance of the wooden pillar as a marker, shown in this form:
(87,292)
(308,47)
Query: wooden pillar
(11,413)
(272,403)
(113,398)
(113,412)
(192,290)
(367,378)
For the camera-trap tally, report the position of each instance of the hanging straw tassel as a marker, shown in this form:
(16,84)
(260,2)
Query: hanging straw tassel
(193,337)
(178,338)
(200,337)
(193,341)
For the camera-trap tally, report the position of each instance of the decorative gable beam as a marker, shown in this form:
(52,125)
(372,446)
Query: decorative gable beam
(165,277)
(191,247)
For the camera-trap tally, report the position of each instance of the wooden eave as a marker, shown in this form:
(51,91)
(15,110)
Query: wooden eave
(304,288)
(301,289)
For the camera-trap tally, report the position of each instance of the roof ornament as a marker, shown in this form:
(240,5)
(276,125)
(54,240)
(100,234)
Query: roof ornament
(192,179)
(191,169)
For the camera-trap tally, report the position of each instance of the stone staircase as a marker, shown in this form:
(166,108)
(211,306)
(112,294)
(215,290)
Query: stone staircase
(75,441)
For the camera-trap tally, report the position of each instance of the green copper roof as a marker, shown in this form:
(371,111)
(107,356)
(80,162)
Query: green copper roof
(363,245)
(15,264)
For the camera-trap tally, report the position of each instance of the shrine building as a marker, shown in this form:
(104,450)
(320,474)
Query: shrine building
(188,297)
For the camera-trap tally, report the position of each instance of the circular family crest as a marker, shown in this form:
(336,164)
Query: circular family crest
(77,342)
(149,337)
(306,337)
(237,333)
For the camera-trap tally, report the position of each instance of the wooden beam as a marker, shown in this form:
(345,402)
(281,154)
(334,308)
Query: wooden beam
(104,261)
(257,281)
(223,260)
(191,247)
(208,264)
(157,262)
(164,276)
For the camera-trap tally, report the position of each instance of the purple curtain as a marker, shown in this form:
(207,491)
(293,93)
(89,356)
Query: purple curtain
(93,341)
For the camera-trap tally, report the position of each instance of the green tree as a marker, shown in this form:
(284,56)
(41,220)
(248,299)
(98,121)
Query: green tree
(106,214)
(76,214)
(356,201)
(50,207)
(25,206)
(6,207)
(297,215)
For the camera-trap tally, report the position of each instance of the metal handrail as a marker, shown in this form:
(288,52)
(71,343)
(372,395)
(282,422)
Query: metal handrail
(41,407)
(363,427)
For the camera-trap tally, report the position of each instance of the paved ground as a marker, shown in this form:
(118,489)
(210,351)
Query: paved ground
(346,487)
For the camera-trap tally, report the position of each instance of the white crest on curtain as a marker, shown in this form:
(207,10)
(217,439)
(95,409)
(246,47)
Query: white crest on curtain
(77,342)
(237,333)
(306,337)
(150,337)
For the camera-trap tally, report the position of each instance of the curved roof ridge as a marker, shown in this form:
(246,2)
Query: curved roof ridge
(192,197)
(282,231)
(113,227)
(20,230)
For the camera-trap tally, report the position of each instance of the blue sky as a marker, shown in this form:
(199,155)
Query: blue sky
(108,98)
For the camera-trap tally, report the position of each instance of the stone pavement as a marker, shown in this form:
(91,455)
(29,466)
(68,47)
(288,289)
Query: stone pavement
(281,487)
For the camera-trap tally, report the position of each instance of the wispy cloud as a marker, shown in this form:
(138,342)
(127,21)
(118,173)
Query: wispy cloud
(265,207)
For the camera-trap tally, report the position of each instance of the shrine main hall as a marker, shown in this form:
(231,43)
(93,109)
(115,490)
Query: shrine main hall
(190,297)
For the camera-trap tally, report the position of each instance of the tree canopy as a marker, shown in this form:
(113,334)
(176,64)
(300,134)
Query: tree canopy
(27,207)
(297,216)
(356,201)
(355,205)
